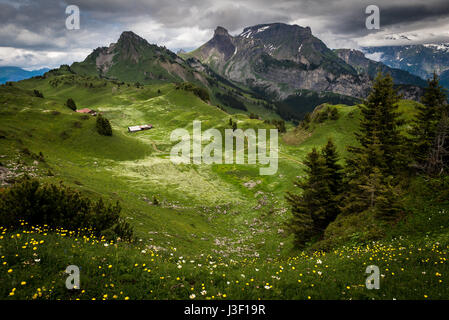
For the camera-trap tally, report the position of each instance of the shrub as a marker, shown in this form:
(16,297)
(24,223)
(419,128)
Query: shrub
(38,94)
(71,104)
(104,126)
(334,114)
(253,116)
(59,206)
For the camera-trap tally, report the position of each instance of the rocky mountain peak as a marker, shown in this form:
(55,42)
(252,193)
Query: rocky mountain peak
(348,54)
(220,31)
(129,37)
(275,29)
(222,42)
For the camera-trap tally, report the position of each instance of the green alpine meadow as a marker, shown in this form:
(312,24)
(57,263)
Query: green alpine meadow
(93,207)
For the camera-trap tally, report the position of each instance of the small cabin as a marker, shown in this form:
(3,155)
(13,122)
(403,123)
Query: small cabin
(139,128)
(87,111)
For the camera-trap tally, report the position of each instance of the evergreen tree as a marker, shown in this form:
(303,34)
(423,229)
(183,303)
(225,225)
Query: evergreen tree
(426,123)
(38,94)
(438,156)
(103,126)
(379,124)
(379,194)
(309,209)
(380,155)
(301,223)
(334,179)
(71,104)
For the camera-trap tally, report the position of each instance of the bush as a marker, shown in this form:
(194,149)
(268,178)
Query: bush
(326,114)
(253,116)
(334,114)
(104,126)
(58,206)
(38,94)
(71,104)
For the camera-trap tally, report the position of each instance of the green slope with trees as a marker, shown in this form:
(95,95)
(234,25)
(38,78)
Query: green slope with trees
(219,231)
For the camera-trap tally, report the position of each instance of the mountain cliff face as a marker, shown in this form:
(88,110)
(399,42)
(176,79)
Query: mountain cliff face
(420,60)
(280,59)
(133,59)
(363,65)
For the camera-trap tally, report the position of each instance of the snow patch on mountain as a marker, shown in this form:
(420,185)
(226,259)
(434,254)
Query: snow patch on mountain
(439,47)
(376,56)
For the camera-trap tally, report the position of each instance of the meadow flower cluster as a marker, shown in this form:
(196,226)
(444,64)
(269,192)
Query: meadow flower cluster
(33,260)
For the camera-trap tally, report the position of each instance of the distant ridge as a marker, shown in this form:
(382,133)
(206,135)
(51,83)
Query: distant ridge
(11,73)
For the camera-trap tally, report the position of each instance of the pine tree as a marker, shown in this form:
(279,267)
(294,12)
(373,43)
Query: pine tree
(301,223)
(381,152)
(334,179)
(380,121)
(71,104)
(310,208)
(426,123)
(438,156)
(103,126)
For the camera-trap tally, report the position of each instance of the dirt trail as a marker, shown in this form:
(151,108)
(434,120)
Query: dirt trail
(155,147)
(288,157)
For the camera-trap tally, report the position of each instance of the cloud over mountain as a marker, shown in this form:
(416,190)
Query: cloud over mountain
(38,27)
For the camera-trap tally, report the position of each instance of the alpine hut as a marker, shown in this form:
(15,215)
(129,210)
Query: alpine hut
(139,128)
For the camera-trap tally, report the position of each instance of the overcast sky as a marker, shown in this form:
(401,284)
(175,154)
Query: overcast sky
(33,32)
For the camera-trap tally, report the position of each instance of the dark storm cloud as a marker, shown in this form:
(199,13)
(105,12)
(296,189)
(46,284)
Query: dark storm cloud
(40,25)
(400,13)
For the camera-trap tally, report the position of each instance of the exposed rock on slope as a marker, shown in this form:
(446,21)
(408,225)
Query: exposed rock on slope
(280,58)
(133,59)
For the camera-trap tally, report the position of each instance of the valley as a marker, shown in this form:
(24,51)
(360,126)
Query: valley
(218,231)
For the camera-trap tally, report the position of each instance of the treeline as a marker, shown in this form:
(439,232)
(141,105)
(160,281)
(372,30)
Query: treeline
(319,116)
(229,100)
(376,175)
(295,107)
(279,124)
(200,92)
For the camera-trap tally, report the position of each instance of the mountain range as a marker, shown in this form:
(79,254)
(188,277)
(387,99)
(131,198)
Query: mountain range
(283,67)
(17,74)
(421,60)
(283,59)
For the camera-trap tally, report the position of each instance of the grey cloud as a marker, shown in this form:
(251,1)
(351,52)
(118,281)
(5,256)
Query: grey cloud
(40,25)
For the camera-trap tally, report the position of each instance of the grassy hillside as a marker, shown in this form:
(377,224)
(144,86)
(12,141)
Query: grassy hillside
(219,230)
